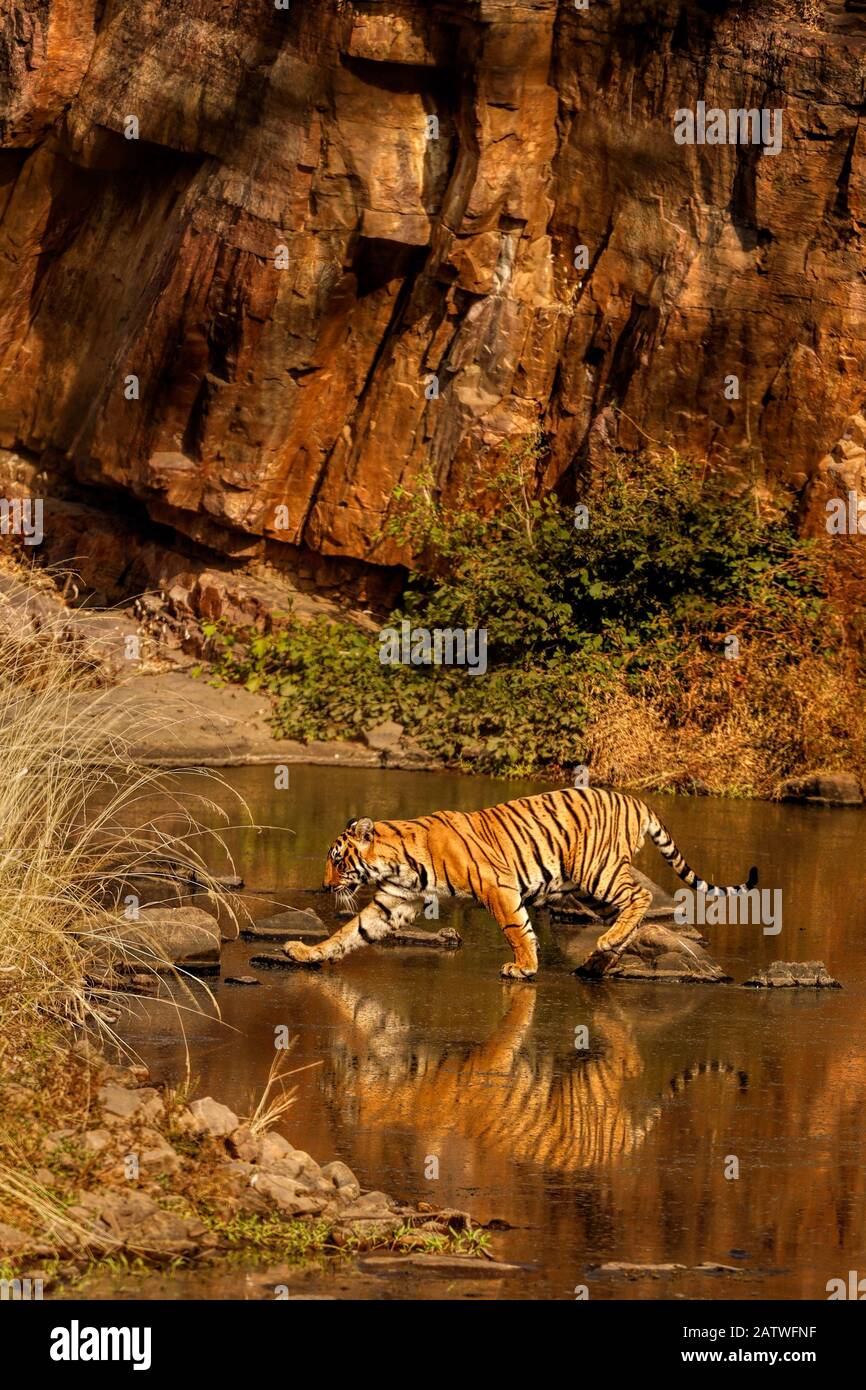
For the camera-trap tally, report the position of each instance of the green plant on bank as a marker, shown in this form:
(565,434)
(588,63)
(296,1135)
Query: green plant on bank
(473,1241)
(269,1234)
(606,643)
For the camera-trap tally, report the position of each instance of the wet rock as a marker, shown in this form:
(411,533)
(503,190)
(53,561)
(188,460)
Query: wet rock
(119,1104)
(464,1266)
(241,980)
(210,1117)
(452,1219)
(166,938)
(782,974)
(372,1206)
(275,960)
(295,923)
(824,789)
(653,1271)
(656,953)
(445,939)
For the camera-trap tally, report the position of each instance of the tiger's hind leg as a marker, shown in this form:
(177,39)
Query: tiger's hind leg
(626,894)
(506,906)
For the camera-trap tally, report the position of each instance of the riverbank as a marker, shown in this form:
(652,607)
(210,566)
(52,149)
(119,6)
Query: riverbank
(113,1174)
(179,709)
(99,1168)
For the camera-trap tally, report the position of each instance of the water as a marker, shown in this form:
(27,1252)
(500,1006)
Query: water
(615,1154)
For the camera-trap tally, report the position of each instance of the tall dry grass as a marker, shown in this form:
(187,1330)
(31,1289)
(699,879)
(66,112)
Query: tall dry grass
(76,817)
(736,728)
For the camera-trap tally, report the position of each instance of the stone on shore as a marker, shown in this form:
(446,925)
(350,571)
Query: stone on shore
(394,745)
(121,1104)
(12,1241)
(213,1118)
(155,1154)
(823,789)
(168,938)
(133,1221)
(343,1179)
(783,974)
(290,1196)
(273,1147)
(294,924)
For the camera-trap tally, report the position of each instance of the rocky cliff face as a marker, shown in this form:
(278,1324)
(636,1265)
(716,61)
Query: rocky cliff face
(243,248)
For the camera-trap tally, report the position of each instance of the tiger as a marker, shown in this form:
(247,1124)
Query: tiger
(508,858)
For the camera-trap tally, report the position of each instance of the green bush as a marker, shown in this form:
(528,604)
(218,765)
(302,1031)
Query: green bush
(668,565)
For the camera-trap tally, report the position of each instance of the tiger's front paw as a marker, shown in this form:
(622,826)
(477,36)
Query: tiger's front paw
(597,962)
(512,971)
(301,954)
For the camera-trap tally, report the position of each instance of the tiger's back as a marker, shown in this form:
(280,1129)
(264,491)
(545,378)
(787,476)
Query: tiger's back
(540,845)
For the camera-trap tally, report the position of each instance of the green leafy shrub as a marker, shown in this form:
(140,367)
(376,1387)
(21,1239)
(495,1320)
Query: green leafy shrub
(633,608)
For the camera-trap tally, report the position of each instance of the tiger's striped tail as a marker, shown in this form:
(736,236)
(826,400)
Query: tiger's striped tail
(666,847)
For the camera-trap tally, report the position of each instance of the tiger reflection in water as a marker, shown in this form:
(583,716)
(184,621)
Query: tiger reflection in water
(570,1111)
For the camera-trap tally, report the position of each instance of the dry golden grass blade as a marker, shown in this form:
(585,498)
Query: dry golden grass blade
(271,1108)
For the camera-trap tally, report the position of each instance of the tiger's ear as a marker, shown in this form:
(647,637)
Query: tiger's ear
(361,830)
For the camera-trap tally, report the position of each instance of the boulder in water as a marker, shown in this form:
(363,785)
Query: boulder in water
(294,924)
(655,952)
(784,974)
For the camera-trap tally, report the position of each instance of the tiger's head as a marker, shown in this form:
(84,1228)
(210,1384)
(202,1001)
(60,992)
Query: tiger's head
(348,864)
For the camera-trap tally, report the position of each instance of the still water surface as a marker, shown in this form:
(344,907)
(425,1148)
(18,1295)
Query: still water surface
(616,1153)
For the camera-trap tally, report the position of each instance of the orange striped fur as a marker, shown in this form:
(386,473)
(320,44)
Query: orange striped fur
(508,858)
